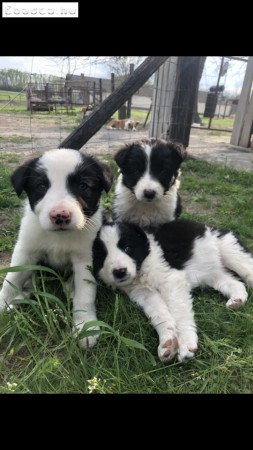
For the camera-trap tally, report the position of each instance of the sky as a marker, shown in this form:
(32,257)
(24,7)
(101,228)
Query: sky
(232,80)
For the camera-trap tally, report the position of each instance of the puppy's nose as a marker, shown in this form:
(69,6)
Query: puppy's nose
(60,216)
(149,194)
(119,273)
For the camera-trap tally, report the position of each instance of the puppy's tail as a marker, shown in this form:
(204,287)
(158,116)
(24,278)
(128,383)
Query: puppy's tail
(235,257)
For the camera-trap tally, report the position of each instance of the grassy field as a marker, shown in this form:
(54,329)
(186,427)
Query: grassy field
(219,122)
(39,355)
(71,117)
(10,95)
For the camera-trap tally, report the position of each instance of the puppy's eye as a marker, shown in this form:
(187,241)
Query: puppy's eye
(127,249)
(41,187)
(83,185)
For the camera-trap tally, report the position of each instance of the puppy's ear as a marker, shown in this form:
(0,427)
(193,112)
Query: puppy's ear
(107,176)
(19,177)
(121,156)
(178,150)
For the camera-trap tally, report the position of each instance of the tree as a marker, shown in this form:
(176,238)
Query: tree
(195,114)
(119,65)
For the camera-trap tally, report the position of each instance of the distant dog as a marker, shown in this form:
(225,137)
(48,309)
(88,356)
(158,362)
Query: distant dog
(146,192)
(123,124)
(60,222)
(158,271)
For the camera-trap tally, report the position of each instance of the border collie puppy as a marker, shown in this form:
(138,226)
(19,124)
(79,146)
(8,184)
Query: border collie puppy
(158,271)
(60,222)
(146,192)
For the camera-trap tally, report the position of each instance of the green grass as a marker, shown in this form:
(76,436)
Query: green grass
(40,355)
(15,139)
(9,95)
(136,114)
(68,120)
(227,122)
(9,204)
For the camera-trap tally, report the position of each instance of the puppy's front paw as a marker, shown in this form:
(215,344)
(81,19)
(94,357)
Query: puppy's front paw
(168,347)
(234,303)
(3,303)
(184,354)
(87,341)
(188,345)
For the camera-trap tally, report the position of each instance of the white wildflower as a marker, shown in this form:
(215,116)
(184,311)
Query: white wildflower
(11,386)
(93,384)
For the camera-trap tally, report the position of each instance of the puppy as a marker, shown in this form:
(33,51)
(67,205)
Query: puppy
(146,192)
(131,125)
(123,124)
(158,271)
(61,219)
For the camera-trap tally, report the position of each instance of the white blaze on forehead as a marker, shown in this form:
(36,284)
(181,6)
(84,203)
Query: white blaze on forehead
(147,150)
(110,237)
(60,163)
(147,182)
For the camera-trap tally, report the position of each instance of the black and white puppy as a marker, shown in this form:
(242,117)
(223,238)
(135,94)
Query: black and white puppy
(146,192)
(60,222)
(158,271)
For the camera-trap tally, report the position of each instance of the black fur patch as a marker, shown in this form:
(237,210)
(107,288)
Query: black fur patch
(32,179)
(87,182)
(99,254)
(178,206)
(134,242)
(165,160)
(133,163)
(177,239)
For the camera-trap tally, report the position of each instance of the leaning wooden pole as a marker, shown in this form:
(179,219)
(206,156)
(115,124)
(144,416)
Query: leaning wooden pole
(94,122)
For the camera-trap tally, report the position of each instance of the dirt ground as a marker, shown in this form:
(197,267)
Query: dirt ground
(47,132)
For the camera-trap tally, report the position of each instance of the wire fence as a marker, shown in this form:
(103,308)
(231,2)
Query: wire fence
(27,131)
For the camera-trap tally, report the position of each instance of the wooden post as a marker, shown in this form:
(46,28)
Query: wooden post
(46,92)
(100,91)
(147,116)
(112,82)
(112,103)
(129,103)
(247,126)
(163,94)
(183,103)
(217,91)
(225,109)
(122,112)
(242,108)
(94,93)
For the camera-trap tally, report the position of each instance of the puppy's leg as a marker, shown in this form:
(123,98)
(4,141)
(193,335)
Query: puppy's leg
(176,291)
(236,258)
(20,257)
(84,300)
(230,287)
(155,308)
